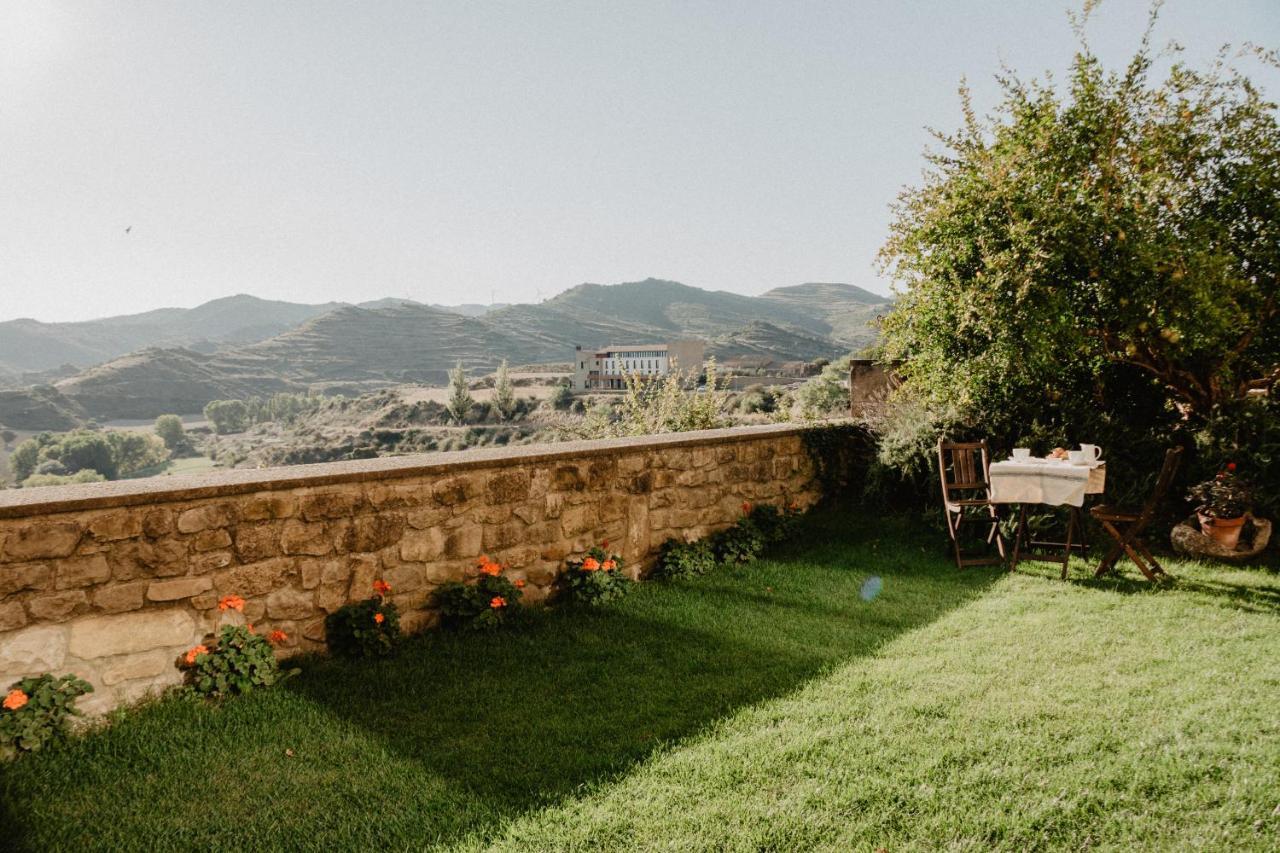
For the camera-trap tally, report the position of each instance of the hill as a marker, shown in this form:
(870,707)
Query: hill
(29,345)
(354,349)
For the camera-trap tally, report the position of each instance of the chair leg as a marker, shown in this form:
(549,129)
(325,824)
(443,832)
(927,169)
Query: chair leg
(1113,554)
(1142,548)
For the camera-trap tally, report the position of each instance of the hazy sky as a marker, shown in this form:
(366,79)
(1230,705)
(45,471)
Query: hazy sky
(447,151)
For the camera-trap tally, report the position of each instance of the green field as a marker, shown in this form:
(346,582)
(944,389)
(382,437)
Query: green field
(779,706)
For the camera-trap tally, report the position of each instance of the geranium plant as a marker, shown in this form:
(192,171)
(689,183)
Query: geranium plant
(1225,496)
(595,577)
(237,662)
(679,559)
(35,712)
(365,629)
(491,601)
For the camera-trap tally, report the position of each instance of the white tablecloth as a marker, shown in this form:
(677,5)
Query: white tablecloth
(1039,481)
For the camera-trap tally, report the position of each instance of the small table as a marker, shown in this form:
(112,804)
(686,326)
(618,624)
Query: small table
(1052,483)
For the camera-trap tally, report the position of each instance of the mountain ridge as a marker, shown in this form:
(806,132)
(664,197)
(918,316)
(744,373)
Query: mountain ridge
(355,348)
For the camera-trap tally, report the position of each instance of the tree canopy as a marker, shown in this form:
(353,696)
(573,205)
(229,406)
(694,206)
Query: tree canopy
(1113,243)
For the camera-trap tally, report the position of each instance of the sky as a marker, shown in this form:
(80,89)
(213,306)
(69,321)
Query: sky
(168,153)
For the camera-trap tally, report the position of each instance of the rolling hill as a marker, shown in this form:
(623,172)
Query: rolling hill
(352,349)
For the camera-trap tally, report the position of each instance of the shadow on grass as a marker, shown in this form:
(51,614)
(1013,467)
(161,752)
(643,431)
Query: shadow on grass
(458,734)
(523,721)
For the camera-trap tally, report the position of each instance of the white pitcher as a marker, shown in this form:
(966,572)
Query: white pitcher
(1092,452)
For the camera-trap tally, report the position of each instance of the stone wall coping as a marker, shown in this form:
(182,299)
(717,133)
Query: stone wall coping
(48,500)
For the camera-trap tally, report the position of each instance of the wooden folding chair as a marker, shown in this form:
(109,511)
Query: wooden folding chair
(1125,526)
(964,468)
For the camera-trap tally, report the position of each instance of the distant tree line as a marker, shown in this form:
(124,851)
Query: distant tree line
(85,456)
(231,416)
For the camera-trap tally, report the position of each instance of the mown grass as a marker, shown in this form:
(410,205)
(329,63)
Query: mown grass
(767,707)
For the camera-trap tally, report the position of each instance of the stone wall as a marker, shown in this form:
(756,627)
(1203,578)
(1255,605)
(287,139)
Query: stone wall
(112,581)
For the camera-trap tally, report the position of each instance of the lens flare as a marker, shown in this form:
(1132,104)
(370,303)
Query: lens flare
(871,587)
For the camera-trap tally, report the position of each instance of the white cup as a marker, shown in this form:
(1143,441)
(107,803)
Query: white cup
(1092,452)
(1076,457)
(1021,454)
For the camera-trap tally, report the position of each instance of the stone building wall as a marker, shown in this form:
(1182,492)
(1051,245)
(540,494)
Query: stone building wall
(112,581)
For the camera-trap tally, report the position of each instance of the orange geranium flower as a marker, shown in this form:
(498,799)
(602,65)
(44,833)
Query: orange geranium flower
(194,653)
(746,507)
(497,601)
(15,700)
(379,618)
(520,584)
(488,567)
(231,602)
(277,636)
(381,587)
(590,564)
(609,565)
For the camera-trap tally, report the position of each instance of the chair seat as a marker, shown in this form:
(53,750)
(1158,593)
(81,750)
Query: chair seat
(953,504)
(1104,512)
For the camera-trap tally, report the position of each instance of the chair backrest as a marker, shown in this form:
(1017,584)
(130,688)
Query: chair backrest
(1172,458)
(963,466)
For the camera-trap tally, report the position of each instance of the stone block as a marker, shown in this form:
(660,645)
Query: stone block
(172,590)
(12,616)
(56,606)
(507,486)
(20,576)
(140,665)
(374,532)
(120,597)
(115,526)
(106,636)
(364,571)
(290,603)
(453,491)
(42,540)
(203,563)
(205,517)
(405,578)
(325,505)
(464,542)
(256,542)
(299,537)
(256,578)
(567,478)
(157,523)
(578,519)
(30,651)
(421,546)
(498,536)
(309,571)
(211,540)
(428,517)
(397,496)
(336,570)
(268,507)
(331,596)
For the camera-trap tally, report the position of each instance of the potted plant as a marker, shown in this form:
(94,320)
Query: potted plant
(1222,505)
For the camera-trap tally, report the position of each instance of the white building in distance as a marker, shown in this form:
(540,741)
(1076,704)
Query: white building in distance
(606,369)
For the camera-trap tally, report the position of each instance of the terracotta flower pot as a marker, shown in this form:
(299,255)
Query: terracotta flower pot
(1224,531)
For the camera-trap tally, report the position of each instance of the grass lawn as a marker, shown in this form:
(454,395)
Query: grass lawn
(768,707)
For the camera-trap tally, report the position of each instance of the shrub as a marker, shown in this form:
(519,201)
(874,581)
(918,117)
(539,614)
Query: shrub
(595,578)
(741,543)
(490,602)
(775,525)
(365,629)
(36,710)
(238,662)
(684,559)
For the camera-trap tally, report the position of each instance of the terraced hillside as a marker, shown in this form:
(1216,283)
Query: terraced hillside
(353,349)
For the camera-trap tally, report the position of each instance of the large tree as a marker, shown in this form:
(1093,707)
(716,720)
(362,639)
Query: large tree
(1112,237)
